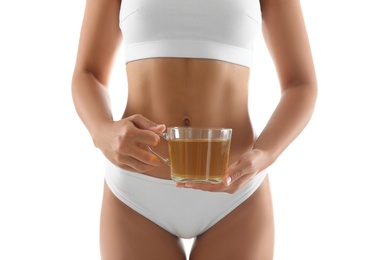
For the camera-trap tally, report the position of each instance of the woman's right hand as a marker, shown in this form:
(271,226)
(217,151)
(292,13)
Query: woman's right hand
(125,143)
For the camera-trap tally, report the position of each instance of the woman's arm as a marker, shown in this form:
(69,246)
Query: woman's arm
(119,141)
(285,35)
(100,39)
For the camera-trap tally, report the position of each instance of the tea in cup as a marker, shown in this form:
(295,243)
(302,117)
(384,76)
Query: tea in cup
(197,154)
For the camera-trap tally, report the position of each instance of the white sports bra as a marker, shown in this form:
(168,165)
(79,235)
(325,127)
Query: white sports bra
(211,29)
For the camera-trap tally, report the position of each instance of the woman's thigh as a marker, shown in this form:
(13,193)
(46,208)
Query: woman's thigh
(125,234)
(247,233)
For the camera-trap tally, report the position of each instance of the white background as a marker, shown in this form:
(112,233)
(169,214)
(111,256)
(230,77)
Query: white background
(330,187)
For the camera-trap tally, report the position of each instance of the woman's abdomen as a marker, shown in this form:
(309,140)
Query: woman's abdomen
(192,92)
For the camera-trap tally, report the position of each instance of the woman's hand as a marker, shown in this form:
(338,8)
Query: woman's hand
(238,173)
(125,143)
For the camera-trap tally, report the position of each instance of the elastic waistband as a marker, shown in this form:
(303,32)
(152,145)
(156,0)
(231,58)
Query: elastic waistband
(257,180)
(188,49)
(111,166)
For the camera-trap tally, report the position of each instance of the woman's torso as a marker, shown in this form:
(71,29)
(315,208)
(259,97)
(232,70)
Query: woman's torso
(191,92)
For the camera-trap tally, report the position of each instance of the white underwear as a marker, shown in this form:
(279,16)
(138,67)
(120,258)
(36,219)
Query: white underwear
(183,212)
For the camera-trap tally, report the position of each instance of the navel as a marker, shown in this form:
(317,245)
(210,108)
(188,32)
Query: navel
(186,121)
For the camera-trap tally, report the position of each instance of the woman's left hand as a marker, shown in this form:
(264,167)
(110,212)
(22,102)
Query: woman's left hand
(238,173)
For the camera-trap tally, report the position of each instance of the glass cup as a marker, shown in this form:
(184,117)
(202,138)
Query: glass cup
(197,154)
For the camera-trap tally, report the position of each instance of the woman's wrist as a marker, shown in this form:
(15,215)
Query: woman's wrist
(99,130)
(267,156)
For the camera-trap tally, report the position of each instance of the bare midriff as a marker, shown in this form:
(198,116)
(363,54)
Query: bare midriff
(191,92)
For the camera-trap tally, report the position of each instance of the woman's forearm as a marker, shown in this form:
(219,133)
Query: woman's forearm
(92,101)
(288,120)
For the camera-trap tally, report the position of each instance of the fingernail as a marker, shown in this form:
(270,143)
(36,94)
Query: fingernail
(228,181)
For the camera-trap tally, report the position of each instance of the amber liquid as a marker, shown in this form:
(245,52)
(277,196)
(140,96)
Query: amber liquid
(199,160)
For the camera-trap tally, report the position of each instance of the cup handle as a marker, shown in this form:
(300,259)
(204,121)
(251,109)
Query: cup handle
(162,158)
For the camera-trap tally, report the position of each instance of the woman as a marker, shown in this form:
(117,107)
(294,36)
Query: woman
(188,64)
